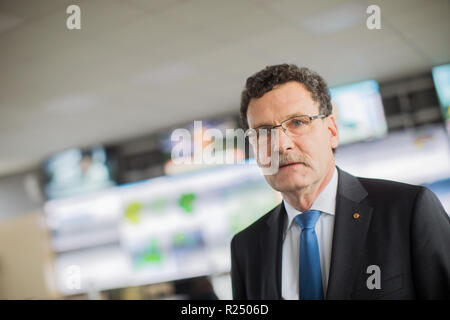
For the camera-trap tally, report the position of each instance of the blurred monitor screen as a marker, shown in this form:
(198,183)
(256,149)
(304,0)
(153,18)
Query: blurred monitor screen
(441,77)
(415,156)
(174,147)
(162,229)
(76,171)
(165,138)
(359,111)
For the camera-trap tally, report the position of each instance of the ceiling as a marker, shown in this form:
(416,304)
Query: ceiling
(137,66)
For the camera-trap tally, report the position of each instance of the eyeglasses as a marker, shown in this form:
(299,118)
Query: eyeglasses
(295,126)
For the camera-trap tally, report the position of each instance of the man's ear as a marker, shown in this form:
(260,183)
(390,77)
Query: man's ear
(333,130)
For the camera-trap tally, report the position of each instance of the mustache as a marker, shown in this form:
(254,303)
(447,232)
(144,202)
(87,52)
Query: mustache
(291,158)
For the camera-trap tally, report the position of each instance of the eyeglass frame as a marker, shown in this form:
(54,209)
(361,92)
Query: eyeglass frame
(311,118)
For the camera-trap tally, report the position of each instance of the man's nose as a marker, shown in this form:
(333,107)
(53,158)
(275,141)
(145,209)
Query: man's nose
(284,141)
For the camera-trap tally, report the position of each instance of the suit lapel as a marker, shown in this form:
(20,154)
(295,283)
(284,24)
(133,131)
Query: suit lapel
(271,244)
(352,221)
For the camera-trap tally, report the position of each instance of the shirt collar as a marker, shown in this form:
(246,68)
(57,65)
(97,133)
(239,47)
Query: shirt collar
(325,201)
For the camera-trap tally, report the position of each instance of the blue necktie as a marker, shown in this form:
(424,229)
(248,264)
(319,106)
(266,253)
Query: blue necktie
(310,279)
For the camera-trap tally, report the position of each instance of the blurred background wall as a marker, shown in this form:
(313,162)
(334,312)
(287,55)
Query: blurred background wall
(91,205)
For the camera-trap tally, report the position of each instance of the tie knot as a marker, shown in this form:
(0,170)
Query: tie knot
(307,219)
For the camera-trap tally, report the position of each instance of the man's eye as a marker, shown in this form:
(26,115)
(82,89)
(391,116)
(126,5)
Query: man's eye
(297,123)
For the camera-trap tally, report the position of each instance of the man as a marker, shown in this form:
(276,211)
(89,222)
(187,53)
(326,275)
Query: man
(334,236)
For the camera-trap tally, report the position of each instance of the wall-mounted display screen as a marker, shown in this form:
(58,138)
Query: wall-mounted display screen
(359,112)
(162,229)
(79,171)
(212,138)
(441,77)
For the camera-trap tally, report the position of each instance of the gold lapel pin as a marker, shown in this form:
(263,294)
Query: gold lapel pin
(356,215)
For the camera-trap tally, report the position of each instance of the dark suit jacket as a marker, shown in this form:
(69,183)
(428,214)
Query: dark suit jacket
(401,228)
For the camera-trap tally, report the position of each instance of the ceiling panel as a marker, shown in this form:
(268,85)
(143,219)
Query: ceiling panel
(137,65)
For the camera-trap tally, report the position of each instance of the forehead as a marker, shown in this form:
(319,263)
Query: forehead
(278,104)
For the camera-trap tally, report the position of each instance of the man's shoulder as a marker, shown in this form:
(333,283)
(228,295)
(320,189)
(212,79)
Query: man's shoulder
(398,191)
(374,184)
(393,191)
(382,191)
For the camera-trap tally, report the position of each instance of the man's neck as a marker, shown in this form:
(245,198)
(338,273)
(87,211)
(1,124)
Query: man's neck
(304,198)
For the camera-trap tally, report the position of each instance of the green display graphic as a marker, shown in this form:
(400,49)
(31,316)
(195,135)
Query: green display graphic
(186,202)
(152,255)
(132,212)
(135,209)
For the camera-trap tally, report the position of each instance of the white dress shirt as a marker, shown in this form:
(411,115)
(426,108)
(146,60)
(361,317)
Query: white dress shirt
(325,202)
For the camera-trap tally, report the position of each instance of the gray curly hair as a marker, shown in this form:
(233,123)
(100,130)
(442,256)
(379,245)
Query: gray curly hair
(265,80)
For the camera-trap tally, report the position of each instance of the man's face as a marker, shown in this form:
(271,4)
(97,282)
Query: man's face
(311,152)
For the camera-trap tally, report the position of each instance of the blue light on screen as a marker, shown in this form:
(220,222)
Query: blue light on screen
(441,77)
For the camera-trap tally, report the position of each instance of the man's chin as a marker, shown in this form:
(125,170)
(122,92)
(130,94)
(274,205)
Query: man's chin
(289,184)
(293,178)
